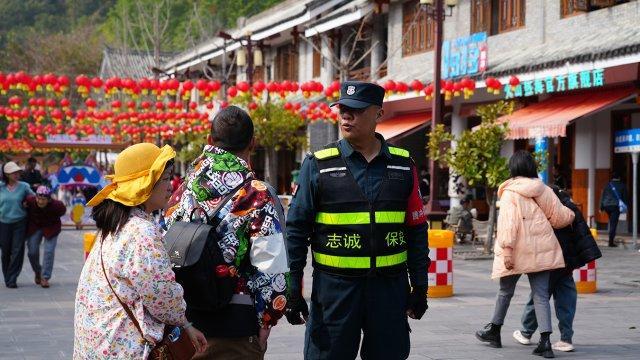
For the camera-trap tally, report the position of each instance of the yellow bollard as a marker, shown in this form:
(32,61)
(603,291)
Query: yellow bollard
(585,277)
(441,268)
(88,240)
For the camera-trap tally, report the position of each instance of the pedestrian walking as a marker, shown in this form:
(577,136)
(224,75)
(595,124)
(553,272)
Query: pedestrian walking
(359,206)
(526,244)
(127,291)
(249,235)
(31,175)
(578,248)
(13,222)
(43,222)
(614,202)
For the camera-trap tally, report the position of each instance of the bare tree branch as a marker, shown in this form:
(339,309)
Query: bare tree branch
(357,38)
(364,56)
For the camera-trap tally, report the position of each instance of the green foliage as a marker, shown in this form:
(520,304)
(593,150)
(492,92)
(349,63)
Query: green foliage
(189,21)
(477,154)
(188,146)
(67,37)
(274,126)
(51,36)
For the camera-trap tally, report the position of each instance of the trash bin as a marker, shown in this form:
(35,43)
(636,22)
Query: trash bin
(441,267)
(585,277)
(88,240)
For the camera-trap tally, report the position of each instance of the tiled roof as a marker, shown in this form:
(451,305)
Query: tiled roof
(607,43)
(130,64)
(578,48)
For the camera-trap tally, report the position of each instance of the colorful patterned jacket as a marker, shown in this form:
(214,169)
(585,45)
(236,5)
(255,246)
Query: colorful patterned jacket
(249,226)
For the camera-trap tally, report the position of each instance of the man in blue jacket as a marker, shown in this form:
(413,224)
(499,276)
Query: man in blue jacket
(612,194)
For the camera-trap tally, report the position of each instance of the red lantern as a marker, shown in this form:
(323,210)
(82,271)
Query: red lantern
(390,86)
(213,86)
(51,103)
(253,106)
(232,91)
(273,87)
(259,86)
(243,86)
(514,81)
(64,102)
(417,85)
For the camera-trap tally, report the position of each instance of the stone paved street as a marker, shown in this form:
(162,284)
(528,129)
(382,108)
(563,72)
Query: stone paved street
(37,323)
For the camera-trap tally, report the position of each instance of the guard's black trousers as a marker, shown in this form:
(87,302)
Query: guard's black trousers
(344,309)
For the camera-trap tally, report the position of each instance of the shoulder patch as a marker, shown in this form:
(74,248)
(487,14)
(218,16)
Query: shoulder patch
(326,153)
(398,152)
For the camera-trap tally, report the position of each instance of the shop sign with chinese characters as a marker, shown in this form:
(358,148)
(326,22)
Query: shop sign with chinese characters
(552,84)
(464,56)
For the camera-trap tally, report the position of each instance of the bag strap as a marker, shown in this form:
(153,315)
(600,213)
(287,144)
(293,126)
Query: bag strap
(615,192)
(126,308)
(221,204)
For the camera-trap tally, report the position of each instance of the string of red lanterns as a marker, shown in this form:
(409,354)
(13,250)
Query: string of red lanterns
(144,108)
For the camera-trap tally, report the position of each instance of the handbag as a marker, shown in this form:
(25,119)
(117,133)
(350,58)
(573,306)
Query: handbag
(621,205)
(175,343)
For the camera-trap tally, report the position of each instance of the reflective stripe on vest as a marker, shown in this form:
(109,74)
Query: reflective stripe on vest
(398,151)
(359,262)
(326,153)
(359,218)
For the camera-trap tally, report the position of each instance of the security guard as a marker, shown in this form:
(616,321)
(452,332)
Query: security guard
(359,207)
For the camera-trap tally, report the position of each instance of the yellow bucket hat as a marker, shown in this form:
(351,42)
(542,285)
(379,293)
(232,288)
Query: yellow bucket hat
(137,169)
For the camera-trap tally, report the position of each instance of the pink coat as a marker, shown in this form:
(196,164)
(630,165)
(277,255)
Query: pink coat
(529,211)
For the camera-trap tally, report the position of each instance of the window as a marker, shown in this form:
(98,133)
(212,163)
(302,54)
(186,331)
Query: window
(572,7)
(511,14)
(317,56)
(497,16)
(286,63)
(480,16)
(418,29)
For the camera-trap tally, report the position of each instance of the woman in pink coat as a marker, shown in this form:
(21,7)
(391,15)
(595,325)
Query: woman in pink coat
(526,244)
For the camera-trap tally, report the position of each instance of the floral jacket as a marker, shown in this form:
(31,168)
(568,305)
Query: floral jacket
(139,270)
(249,226)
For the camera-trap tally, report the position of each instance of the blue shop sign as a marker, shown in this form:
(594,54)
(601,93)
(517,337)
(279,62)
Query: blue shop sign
(627,141)
(573,81)
(464,56)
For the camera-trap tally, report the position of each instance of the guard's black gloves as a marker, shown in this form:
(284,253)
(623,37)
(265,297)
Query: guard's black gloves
(297,311)
(417,302)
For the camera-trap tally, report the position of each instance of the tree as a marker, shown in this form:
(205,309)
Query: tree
(476,156)
(275,126)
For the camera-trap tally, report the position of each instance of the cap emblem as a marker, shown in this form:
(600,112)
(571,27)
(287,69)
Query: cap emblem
(351,90)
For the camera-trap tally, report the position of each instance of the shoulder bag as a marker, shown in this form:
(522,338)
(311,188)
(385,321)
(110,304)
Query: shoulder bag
(175,343)
(621,204)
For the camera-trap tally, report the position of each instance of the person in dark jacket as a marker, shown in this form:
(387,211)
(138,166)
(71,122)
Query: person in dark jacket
(610,203)
(578,248)
(43,222)
(31,175)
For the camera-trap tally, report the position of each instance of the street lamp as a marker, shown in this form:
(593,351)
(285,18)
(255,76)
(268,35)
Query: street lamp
(435,10)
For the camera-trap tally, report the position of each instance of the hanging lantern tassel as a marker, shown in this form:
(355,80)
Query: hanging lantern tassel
(514,82)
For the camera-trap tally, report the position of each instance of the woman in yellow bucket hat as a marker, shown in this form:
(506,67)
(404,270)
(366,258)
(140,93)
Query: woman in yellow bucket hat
(129,265)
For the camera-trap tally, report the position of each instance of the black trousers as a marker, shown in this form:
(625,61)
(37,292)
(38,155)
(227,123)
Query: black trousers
(12,241)
(614,215)
(344,310)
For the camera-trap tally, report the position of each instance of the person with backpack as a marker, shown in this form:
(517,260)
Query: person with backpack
(249,227)
(578,248)
(614,202)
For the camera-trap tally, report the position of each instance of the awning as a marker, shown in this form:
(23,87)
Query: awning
(403,125)
(549,118)
(352,11)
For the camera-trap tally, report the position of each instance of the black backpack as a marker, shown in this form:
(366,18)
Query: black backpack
(198,262)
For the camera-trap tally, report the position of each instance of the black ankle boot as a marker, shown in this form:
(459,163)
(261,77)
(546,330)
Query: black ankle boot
(544,347)
(490,334)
